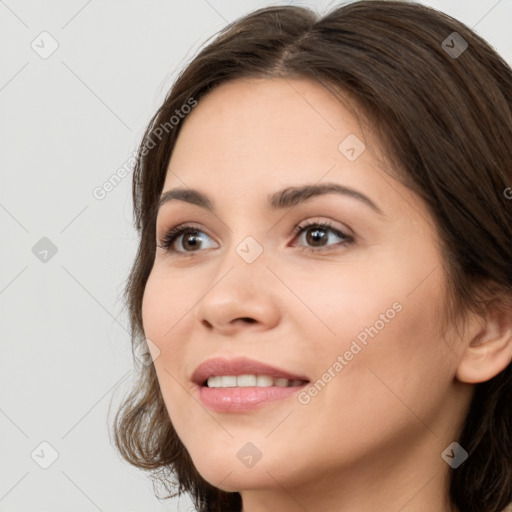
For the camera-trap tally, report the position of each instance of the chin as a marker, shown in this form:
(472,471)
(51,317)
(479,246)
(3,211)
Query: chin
(234,476)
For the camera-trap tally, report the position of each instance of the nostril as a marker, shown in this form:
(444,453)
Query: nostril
(249,320)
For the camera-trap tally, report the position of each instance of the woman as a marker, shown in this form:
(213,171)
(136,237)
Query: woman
(324,276)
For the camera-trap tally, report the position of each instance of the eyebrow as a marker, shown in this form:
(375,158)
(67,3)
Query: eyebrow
(286,198)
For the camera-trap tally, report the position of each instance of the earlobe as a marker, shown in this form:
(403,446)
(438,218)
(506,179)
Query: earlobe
(489,352)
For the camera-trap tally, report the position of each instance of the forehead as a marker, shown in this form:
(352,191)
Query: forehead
(264,126)
(250,137)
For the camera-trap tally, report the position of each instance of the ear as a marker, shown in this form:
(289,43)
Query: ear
(489,351)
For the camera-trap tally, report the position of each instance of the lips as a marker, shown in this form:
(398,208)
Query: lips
(240,366)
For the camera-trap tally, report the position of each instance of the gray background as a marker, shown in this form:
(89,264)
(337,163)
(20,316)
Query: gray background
(67,123)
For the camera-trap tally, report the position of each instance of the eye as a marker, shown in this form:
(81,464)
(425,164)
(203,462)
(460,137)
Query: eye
(192,238)
(317,234)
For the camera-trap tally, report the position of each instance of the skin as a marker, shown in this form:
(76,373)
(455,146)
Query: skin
(372,438)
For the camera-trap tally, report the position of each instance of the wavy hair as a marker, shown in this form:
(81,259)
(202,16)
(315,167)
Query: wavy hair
(445,124)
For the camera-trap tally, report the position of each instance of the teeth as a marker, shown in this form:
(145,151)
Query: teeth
(242,381)
(246,380)
(263,381)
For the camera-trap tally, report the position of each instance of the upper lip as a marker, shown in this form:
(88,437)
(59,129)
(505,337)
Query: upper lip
(239,366)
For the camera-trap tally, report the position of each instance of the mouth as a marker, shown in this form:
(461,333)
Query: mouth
(241,384)
(248,380)
(243,372)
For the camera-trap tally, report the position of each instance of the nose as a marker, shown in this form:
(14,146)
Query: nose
(242,296)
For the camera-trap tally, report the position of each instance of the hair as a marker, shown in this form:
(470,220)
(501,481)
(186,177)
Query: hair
(445,125)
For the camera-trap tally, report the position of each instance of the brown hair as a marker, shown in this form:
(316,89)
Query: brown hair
(445,122)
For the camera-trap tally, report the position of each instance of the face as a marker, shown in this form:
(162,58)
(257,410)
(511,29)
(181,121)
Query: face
(342,289)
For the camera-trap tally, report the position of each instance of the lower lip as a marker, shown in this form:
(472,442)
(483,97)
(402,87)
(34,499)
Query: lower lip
(244,398)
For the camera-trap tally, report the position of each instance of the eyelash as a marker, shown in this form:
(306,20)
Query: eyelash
(170,237)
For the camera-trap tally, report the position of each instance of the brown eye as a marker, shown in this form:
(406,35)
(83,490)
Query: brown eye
(318,234)
(186,238)
(191,240)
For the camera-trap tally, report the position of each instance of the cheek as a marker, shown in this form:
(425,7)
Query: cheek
(164,316)
(386,360)
(162,309)
(165,303)
(335,304)
(384,314)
